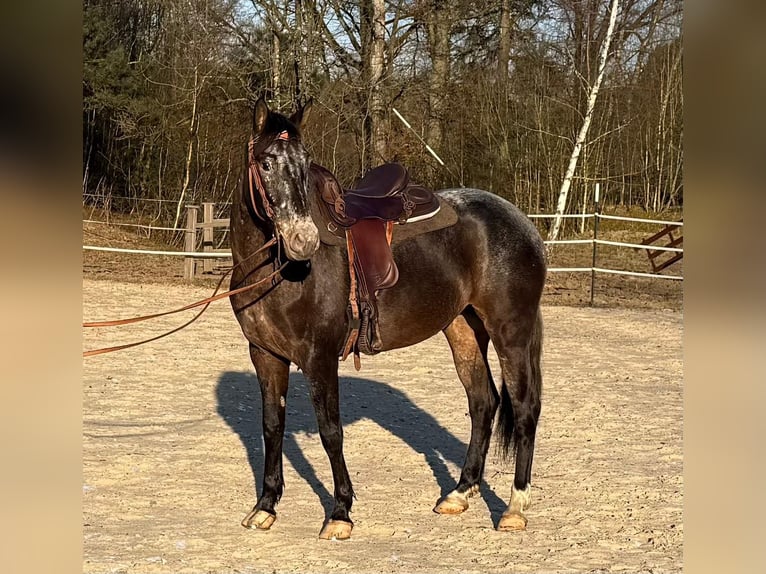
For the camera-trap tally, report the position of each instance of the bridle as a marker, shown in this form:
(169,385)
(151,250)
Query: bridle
(272,279)
(255,183)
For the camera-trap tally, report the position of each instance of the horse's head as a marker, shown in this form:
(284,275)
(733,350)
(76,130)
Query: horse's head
(278,177)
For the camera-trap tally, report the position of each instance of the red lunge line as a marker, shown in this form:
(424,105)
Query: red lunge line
(205,302)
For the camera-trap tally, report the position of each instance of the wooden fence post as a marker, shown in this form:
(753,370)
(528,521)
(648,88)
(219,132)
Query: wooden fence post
(190,240)
(207,235)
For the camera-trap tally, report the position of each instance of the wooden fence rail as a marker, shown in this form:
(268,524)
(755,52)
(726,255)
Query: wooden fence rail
(665,238)
(667,242)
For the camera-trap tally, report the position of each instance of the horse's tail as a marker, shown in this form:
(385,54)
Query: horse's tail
(507,418)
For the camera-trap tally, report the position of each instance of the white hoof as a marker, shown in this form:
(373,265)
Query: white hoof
(451,504)
(455,502)
(259,519)
(336,530)
(512,521)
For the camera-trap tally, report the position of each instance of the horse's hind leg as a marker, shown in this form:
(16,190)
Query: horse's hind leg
(469,340)
(273,375)
(518,344)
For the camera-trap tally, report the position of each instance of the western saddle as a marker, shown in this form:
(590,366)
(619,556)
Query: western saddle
(364,216)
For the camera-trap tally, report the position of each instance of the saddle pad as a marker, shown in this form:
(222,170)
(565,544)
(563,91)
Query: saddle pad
(330,234)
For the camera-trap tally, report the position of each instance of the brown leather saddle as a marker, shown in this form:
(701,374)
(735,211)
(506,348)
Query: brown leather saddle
(381,209)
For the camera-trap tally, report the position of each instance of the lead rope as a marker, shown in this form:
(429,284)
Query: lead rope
(254,178)
(206,302)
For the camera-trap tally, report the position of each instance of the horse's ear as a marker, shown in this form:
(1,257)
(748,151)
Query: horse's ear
(260,113)
(301,114)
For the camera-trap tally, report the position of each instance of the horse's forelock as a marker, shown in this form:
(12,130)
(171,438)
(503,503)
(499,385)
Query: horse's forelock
(275,125)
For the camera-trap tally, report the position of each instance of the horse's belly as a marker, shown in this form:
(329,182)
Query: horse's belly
(424,301)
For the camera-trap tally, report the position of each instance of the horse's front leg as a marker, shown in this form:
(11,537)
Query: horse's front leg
(273,375)
(323,378)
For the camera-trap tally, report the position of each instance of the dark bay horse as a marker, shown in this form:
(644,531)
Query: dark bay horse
(479,280)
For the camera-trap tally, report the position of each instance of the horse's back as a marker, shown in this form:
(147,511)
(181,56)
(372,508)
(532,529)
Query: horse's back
(503,223)
(493,253)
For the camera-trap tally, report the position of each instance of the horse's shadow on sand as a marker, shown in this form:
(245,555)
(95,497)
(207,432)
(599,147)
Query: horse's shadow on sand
(239,404)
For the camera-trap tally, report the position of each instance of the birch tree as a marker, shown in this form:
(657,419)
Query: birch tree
(499,88)
(583,133)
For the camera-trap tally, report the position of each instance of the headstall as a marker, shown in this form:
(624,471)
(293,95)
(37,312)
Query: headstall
(256,183)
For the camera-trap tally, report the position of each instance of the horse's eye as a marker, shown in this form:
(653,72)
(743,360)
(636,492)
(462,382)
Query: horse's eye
(266,165)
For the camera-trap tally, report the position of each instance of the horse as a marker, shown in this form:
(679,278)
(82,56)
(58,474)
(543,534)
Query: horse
(477,281)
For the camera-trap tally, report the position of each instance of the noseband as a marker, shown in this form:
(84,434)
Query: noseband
(256,183)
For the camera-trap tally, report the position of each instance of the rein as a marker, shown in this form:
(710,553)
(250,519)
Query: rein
(254,180)
(206,302)
(214,297)
(254,183)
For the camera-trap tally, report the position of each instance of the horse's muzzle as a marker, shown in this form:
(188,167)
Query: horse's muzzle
(301,240)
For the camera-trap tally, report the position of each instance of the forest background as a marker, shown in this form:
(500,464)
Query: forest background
(498,88)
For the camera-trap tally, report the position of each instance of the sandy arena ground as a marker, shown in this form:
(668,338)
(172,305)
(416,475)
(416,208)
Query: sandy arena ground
(172,451)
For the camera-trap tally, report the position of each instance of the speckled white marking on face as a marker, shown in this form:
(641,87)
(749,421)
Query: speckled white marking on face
(290,202)
(282,401)
(287,186)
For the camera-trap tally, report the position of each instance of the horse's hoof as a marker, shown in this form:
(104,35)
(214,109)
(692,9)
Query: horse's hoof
(451,504)
(259,519)
(512,521)
(336,530)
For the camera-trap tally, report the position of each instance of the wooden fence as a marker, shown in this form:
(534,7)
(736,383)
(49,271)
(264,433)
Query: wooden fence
(208,225)
(207,262)
(658,258)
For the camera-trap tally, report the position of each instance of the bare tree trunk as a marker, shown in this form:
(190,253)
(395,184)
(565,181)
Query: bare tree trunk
(372,31)
(677,156)
(377,62)
(298,46)
(583,134)
(89,153)
(190,148)
(276,71)
(504,45)
(439,25)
